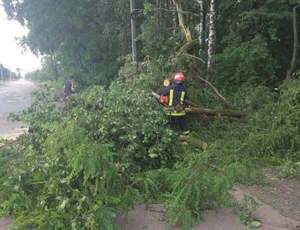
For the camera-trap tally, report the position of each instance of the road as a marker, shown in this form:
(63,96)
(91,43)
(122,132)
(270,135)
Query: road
(14,97)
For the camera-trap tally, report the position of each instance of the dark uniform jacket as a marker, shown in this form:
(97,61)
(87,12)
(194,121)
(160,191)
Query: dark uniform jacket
(176,96)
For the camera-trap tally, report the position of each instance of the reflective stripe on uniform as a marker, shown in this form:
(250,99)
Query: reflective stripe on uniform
(171,97)
(182,97)
(178,114)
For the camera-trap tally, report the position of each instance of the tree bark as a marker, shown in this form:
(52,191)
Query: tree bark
(174,18)
(133,30)
(212,34)
(201,23)
(182,25)
(216,112)
(54,67)
(291,70)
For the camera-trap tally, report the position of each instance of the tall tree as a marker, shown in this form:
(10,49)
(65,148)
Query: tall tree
(133,30)
(87,36)
(201,29)
(212,33)
(185,29)
(296,44)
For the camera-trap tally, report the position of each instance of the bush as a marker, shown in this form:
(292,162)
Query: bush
(108,148)
(289,169)
(244,62)
(275,128)
(78,167)
(196,185)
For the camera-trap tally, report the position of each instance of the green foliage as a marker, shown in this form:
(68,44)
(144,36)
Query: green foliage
(195,187)
(78,167)
(246,208)
(245,172)
(246,97)
(111,146)
(275,128)
(245,62)
(156,32)
(82,165)
(289,169)
(257,47)
(85,37)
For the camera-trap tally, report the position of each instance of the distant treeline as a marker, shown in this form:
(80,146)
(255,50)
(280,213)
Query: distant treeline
(6,74)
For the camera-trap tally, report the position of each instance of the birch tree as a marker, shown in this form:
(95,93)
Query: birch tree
(212,33)
(200,27)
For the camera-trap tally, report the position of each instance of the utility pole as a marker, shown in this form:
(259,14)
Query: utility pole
(133,30)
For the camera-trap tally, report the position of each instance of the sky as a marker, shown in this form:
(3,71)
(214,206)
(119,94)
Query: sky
(12,55)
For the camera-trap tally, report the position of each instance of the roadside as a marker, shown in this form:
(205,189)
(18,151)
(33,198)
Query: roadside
(278,209)
(14,97)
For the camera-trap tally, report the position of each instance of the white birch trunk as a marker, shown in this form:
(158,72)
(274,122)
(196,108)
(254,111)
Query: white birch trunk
(201,23)
(212,33)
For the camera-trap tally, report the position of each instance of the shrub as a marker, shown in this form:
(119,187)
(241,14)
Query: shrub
(78,167)
(275,128)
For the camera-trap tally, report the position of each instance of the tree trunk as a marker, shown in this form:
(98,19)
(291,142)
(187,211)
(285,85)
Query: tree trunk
(54,67)
(209,112)
(133,30)
(174,18)
(184,28)
(201,23)
(212,33)
(216,112)
(291,70)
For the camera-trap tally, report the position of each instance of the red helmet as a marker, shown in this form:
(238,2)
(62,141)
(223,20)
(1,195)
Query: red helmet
(179,77)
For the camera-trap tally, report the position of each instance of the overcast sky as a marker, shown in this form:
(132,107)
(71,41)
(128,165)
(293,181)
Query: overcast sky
(12,55)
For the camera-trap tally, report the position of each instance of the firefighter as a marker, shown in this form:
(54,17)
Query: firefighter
(174,96)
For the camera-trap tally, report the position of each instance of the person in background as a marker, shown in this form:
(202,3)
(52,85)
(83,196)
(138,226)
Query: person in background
(174,96)
(69,88)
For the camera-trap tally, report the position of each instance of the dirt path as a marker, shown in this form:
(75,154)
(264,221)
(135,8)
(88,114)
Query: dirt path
(282,194)
(279,209)
(279,202)
(154,218)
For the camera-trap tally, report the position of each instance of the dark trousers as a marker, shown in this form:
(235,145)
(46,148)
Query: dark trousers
(179,121)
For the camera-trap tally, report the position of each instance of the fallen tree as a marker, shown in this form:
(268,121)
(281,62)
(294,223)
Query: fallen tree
(192,108)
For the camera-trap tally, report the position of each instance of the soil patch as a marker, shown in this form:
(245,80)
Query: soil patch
(153,217)
(279,202)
